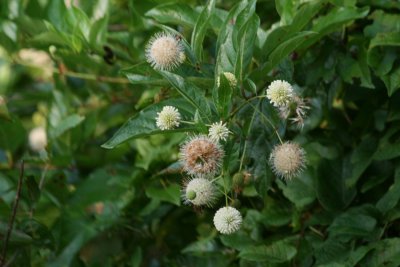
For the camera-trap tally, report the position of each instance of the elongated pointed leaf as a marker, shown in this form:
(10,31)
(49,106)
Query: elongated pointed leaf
(144,123)
(190,92)
(275,253)
(200,29)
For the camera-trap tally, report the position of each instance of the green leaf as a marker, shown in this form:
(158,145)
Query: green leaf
(389,145)
(100,187)
(174,13)
(332,192)
(226,57)
(98,32)
(190,92)
(16,236)
(385,39)
(199,31)
(333,21)
(171,193)
(66,124)
(276,213)
(224,96)
(330,251)
(361,158)
(277,252)
(392,81)
(391,198)
(304,15)
(302,18)
(143,73)
(12,134)
(300,190)
(383,22)
(286,9)
(381,57)
(386,253)
(4,115)
(75,244)
(137,257)
(144,123)
(237,240)
(246,37)
(285,48)
(77,21)
(356,222)
(56,13)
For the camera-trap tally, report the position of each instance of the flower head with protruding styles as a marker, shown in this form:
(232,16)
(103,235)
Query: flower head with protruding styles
(200,192)
(231,79)
(38,139)
(227,220)
(287,160)
(280,93)
(168,118)
(165,52)
(296,111)
(218,131)
(201,156)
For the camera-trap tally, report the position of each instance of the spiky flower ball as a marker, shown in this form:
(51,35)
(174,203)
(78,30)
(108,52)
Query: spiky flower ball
(164,51)
(168,118)
(280,93)
(218,131)
(287,160)
(38,139)
(227,220)
(201,156)
(231,79)
(200,192)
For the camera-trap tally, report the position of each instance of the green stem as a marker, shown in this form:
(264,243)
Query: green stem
(225,193)
(245,142)
(188,122)
(244,103)
(85,76)
(269,122)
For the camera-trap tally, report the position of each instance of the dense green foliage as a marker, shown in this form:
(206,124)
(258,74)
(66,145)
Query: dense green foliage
(107,189)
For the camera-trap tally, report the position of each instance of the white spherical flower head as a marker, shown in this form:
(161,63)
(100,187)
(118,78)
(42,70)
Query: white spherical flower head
(227,220)
(280,93)
(287,160)
(168,118)
(230,77)
(165,52)
(199,192)
(218,131)
(38,139)
(201,156)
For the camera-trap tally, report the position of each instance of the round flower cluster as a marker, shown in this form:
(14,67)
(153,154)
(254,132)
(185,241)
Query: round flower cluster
(218,131)
(280,93)
(38,139)
(287,160)
(199,192)
(165,51)
(168,118)
(227,220)
(201,156)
